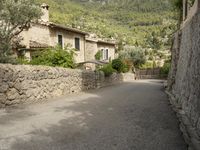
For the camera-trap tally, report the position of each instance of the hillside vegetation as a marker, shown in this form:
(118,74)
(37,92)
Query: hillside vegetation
(133,22)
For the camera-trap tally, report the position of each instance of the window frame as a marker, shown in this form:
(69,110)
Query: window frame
(77,39)
(105,53)
(62,40)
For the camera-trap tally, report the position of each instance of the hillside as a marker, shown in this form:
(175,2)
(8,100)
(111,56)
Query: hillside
(131,21)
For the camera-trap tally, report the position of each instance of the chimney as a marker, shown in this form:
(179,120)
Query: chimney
(45,11)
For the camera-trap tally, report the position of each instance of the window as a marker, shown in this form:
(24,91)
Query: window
(104,54)
(77,44)
(60,40)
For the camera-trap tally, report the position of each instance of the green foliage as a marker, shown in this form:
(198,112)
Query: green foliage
(153,41)
(129,21)
(147,65)
(108,70)
(165,69)
(22,61)
(98,55)
(126,68)
(177,4)
(120,66)
(134,54)
(15,16)
(55,57)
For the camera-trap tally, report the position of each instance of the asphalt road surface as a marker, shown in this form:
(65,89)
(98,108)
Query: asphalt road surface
(128,116)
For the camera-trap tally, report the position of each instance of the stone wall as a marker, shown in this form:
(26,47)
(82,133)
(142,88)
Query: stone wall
(184,79)
(21,84)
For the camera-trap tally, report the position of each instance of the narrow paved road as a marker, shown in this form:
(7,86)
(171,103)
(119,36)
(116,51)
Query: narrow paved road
(130,116)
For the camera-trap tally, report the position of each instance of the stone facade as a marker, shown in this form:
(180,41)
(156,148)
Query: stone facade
(184,78)
(21,84)
(69,39)
(92,49)
(109,46)
(47,36)
(44,34)
(95,45)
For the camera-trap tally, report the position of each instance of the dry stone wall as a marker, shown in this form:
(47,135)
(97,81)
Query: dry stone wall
(21,84)
(184,80)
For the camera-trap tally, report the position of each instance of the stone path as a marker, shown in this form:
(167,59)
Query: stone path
(130,116)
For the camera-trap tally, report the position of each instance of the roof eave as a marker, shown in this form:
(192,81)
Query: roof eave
(67,28)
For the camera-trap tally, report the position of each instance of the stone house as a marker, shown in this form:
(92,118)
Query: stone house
(44,34)
(94,45)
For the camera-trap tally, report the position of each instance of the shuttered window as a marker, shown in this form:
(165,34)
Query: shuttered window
(104,54)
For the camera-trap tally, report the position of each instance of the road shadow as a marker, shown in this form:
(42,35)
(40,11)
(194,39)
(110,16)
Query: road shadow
(11,115)
(121,118)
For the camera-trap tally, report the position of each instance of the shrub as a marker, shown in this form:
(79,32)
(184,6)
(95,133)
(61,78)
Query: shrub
(108,70)
(22,61)
(126,68)
(165,69)
(120,66)
(98,55)
(55,57)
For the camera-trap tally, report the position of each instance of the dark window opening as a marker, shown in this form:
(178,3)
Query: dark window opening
(102,54)
(60,40)
(77,44)
(106,57)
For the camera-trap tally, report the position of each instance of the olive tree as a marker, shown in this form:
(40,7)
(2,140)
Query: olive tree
(134,54)
(15,16)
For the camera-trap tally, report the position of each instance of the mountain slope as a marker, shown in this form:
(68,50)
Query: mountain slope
(128,20)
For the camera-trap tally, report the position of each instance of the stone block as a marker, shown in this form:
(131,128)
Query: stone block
(12,94)
(8,103)
(2,98)
(3,87)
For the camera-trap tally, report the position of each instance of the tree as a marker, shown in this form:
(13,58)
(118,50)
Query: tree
(15,16)
(134,54)
(153,41)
